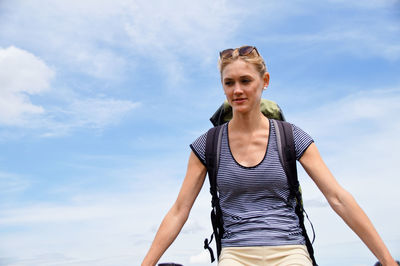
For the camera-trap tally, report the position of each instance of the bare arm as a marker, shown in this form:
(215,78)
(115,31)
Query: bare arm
(343,203)
(178,214)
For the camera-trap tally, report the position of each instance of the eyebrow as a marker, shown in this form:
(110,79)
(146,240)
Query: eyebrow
(244,76)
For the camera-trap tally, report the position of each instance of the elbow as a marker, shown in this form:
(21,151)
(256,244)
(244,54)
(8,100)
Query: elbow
(340,201)
(336,202)
(180,211)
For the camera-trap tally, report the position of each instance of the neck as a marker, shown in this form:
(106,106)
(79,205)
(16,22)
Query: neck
(248,122)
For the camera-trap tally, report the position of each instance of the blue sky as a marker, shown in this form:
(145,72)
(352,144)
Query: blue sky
(99,101)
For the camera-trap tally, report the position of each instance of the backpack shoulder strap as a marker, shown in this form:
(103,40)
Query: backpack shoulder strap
(213,148)
(287,156)
(287,153)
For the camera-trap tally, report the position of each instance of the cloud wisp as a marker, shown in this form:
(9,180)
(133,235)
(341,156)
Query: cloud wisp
(12,183)
(26,75)
(23,74)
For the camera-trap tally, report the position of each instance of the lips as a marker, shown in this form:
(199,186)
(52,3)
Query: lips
(239,100)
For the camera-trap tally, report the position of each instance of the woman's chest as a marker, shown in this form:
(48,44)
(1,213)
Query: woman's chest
(267,175)
(249,151)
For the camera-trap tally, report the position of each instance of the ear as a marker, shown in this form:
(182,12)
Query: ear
(266,80)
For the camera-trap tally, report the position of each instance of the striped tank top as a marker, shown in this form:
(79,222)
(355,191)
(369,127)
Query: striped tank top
(255,201)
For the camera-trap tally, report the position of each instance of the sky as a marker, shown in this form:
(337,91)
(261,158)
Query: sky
(99,101)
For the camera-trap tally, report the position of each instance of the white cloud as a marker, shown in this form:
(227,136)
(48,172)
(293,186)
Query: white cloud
(56,214)
(22,74)
(202,257)
(102,39)
(96,62)
(188,28)
(369,4)
(362,41)
(358,136)
(25,75)
(371,31)
(99,112)
(95,113)
(113,227)
(23,71)
(368,112)
(78,35)
(180,29)
(107,229)
(10,183)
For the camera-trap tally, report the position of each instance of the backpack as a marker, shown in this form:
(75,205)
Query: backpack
(287,157)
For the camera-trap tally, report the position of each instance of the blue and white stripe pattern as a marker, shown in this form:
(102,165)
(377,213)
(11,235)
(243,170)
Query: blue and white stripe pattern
(257,210)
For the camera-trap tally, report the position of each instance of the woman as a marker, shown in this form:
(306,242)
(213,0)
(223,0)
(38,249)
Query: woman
(260,224)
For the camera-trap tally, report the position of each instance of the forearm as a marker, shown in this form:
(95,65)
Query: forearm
(178,214)
(166,234)
(347,208)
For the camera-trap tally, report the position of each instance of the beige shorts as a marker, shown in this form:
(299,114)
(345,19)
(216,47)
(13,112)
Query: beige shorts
(265,255)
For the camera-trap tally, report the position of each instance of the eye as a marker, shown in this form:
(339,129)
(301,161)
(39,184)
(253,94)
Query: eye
(246,81)
(229,83)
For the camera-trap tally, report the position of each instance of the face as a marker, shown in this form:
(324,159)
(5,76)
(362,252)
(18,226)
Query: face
(243,86)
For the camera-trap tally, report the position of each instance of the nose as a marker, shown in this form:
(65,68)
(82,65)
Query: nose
(237,89)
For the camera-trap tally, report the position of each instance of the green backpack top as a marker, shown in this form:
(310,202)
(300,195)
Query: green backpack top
(269,108)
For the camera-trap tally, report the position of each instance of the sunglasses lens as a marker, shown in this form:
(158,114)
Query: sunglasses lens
(245,50)
(226,53)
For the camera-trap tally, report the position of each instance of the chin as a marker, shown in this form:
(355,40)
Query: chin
(241,109)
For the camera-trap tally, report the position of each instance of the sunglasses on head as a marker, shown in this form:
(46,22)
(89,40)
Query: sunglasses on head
(243,51)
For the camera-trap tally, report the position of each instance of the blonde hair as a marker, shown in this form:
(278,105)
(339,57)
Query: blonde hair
(253,58)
